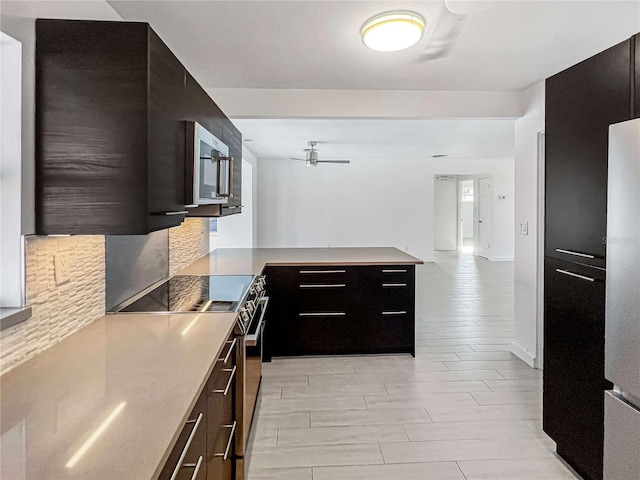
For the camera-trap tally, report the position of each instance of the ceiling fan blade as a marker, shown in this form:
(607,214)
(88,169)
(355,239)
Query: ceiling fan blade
(294,158)
(447,31)
(334,161)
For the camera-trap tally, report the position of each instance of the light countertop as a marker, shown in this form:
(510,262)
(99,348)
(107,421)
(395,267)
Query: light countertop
(108,402)
(236,261)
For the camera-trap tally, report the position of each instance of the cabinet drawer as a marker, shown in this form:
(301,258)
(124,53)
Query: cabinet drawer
(221,458)
(221,399)
(319,333)
(228,356)
(188,458)
(394,297)
(221,390)
(326,297)
(391,331)
(397,274)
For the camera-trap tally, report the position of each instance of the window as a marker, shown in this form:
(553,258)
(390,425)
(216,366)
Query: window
(11,256)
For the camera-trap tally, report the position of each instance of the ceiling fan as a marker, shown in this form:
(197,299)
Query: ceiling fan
(311,156)
(449,26)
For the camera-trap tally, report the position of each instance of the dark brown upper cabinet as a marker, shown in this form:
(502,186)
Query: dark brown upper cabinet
(636,83)
(111,106)
(581,103)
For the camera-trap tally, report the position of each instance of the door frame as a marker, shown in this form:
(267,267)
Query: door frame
(476,201)
(539,361)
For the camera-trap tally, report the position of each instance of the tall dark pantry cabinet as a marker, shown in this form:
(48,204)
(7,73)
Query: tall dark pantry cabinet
(581,103)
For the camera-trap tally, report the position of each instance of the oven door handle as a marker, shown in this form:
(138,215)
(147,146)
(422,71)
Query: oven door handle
(252,340)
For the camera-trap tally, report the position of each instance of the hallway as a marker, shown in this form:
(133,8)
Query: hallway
(464,408)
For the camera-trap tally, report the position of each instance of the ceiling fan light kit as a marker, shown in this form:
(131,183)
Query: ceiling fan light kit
(393,31)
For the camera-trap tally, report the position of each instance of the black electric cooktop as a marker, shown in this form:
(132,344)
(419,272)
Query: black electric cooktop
(194,293)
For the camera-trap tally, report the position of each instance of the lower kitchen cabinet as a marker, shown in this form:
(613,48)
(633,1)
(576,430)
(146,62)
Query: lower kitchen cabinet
(574,382)
(188,458)
(333,309)
(205,447)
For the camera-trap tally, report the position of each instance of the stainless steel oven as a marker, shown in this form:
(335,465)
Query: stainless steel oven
(209,167)
(252,366)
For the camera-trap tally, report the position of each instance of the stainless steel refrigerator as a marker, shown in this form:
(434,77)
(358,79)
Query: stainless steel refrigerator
(622,337)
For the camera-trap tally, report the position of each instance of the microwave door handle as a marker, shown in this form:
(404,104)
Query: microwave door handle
(229,177)
(217,159)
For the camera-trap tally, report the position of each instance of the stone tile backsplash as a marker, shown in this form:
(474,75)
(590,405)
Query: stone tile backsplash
(187,243)
(58,310)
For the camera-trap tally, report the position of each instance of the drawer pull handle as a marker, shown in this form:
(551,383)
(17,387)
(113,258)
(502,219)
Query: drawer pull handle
(180,212)
(226,389)
(328,285)
(195,466)
(226,358)
(322,271)
(394,284)
(577,254)
(186,447)
(394,271)
(571,274)
(323,314)
(225,455)
(399,312)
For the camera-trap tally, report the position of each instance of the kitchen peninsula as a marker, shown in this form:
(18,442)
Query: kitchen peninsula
(328,300)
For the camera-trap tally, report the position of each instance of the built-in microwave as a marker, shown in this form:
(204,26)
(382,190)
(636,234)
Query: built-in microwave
(209,167)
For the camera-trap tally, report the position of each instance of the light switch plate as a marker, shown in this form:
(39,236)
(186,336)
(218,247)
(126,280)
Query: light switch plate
(523,228)
(62,268)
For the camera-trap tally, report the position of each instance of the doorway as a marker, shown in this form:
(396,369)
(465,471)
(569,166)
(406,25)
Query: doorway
(463,214)
(484,217)
(466,243)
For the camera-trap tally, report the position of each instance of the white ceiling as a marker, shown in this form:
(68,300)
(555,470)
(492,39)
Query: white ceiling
(379,139)
(301,44)
(316,44)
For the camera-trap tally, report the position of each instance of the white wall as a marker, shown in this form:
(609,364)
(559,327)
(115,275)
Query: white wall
(445,214)
(11,279)
(368,203)
(240,231)
(527,311)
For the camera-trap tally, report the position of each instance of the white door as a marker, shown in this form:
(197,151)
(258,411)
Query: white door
(484,217)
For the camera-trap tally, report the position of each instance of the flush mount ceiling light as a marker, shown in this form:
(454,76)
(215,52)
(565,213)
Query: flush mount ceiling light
(393,31)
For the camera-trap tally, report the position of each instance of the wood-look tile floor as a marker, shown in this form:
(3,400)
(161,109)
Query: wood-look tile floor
(464,408)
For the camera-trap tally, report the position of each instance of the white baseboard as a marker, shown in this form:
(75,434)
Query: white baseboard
(501,259)
(523,355)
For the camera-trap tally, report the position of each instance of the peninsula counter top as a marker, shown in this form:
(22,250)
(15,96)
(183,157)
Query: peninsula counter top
(108,402)
(240,261)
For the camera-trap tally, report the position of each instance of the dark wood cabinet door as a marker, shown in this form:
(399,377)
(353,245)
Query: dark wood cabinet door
(193,442)
(221,414)
(91,127)
(636,76)
(574,383)
(166,134)
(581,103)
(387,307)
(232,137)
